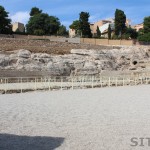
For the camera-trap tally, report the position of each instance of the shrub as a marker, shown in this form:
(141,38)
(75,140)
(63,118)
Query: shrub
(144,38)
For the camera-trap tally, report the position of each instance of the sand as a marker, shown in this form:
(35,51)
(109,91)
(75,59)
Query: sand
(87,119)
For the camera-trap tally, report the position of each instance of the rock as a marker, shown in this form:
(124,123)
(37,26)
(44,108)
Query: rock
(24,53)
(80,51)
(87,71)
(58,69)
(132,68)
(32,67)
(80,61)
(22,61)
(90,65)
(78,64)
(4,60)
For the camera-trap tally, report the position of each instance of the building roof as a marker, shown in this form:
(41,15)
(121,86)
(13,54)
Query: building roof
(105,27)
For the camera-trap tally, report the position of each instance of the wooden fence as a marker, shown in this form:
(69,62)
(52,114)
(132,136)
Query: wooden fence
(9,85)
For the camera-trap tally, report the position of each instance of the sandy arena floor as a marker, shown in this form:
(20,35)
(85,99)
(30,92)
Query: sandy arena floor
(90,119)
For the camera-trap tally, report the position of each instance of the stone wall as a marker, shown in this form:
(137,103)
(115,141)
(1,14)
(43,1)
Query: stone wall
(106,42)
(51,38)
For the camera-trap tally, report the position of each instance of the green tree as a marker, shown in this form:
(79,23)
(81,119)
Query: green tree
(43,24)
(145,37)
(120,22)
(85,25)
(131,32)
(144,34)
(109,32)
(62,30)
(54,25)
(147,24)
(76,26)
(35,11)
(5,22)
(98,32)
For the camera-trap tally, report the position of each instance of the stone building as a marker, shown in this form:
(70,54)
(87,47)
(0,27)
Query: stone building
(103,26)
(72,33)
(138,27)
(18,27)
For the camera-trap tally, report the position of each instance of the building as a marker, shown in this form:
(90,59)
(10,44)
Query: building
(138,27)
(72,33)
(18,27)
(103,26)
(128,23)
(100,23)
(104,29)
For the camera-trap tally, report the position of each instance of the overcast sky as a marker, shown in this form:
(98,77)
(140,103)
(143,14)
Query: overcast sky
(68,10)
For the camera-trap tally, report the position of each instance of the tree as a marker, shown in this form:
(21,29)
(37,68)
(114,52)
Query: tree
(131,32)
(145,37)
(62,30)
(147,24)
(76,26)
(35,11)
(5,22)
(120,22)
(85,25)
(42,24)
(109,32)
(54,25)
(98,32)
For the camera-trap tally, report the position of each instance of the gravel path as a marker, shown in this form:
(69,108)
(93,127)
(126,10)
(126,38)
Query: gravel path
(89,119)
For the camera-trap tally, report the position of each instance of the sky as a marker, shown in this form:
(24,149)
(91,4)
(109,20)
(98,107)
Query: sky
(68,10)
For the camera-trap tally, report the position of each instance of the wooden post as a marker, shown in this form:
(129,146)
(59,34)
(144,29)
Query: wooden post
(72,83)
(116,81)
(141,79)
(35,85)
(101,81)
(61,82)
(109,82)
(135,81)
(146,81)
(92,81)
(21,85)
(5,86)
(49,84)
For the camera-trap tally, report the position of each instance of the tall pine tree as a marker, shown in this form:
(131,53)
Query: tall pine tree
(120,22)
(147,24)
(109,32)
(5,22)
(98,32)
(85,25)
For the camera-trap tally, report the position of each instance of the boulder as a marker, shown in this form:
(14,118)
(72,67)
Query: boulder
(58,69)
(4,60)
(24,53)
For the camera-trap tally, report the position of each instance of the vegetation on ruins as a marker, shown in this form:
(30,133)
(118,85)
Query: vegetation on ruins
(5,22)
